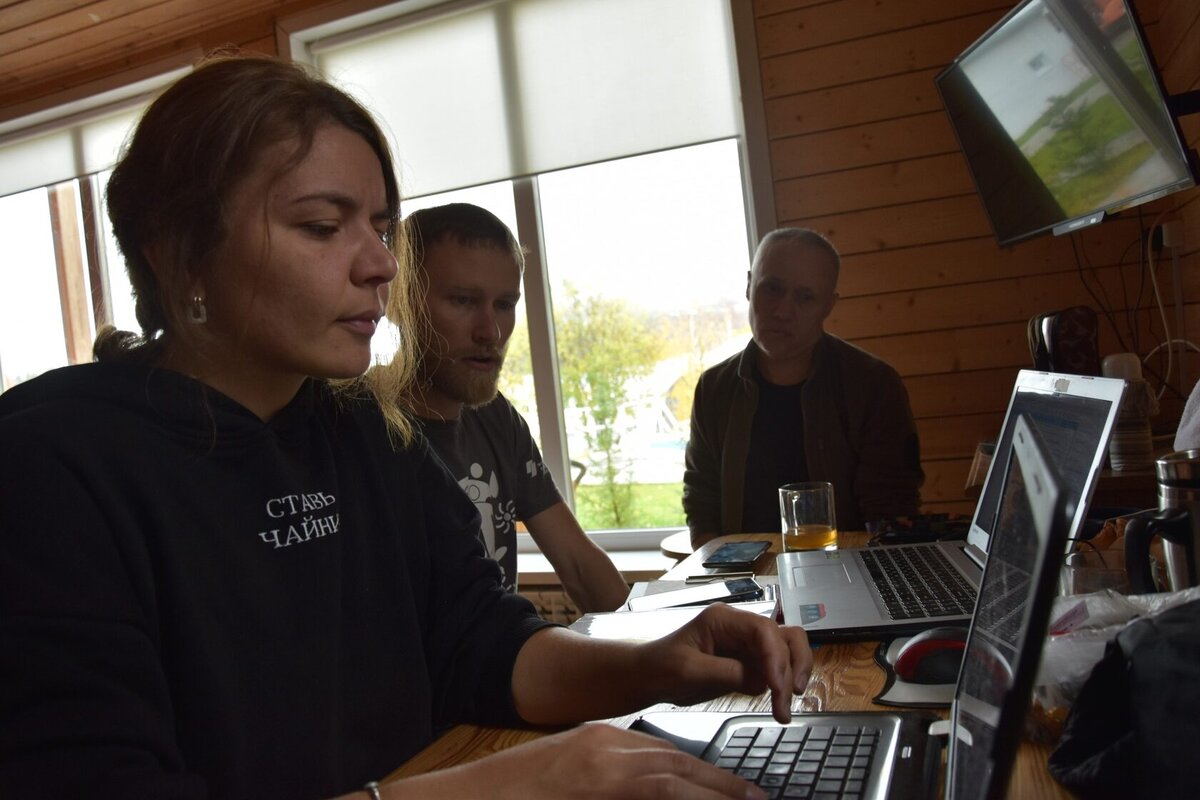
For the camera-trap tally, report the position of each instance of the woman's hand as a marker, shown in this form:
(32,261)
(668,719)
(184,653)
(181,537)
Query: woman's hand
(591,761)
(562,677)
(728,650)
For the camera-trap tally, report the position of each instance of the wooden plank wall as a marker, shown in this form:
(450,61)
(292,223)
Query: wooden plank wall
(861,150)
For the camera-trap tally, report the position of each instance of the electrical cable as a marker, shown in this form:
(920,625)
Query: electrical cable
(1191,345)
(1166,378)
(1076,249)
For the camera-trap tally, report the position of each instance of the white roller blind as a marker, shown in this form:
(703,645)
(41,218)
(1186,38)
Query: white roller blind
(75,138)
(64,152)
(529,86)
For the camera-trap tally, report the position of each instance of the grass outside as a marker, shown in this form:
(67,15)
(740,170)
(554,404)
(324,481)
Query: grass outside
(649,505)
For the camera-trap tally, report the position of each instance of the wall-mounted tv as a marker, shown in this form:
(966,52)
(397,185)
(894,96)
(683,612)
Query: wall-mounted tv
(1062,117)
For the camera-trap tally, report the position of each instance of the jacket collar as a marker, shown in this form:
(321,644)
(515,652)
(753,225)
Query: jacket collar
(747,366)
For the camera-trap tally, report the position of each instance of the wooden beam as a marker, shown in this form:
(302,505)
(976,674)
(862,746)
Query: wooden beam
(72,283)
(97,264)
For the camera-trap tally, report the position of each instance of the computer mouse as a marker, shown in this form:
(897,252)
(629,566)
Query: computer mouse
(932,656)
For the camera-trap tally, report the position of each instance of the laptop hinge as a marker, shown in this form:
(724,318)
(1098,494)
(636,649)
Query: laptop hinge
(976,555)
(940,729)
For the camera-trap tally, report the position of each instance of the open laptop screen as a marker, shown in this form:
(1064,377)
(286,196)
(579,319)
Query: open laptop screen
(1010,618)
(1074,415)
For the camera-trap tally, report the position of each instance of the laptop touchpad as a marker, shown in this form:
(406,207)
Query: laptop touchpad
(817,575)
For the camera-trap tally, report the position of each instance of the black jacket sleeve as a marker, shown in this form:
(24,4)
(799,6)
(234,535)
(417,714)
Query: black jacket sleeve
(702,468)
(475,628)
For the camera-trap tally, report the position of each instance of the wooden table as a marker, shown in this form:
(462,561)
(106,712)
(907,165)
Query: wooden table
(844,678)
(677,546)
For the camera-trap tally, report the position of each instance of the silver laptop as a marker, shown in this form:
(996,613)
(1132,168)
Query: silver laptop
(877,755)
(878,592)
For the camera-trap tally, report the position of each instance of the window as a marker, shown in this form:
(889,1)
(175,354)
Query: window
(31,323)
(647,287)
(607,134)
(63,276)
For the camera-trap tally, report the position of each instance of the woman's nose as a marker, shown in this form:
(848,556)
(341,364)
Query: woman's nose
(376,262)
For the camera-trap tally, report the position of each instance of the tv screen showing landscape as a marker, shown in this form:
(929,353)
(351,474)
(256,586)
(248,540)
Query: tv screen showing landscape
(1061,117)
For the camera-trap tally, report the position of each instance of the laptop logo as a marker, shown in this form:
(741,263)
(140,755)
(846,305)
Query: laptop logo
(1062,385)
(813,612)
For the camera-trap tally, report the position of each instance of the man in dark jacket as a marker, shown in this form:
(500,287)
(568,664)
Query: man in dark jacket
(798,404)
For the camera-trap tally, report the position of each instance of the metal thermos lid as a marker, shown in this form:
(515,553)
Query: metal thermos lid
(1181,468)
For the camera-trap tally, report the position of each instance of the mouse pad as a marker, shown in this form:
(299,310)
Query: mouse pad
(901,693)
(815,576)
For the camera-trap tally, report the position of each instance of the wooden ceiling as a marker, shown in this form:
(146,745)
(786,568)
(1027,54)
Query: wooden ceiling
(51,47)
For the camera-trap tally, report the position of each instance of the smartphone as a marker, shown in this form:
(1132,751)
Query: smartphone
(736,555)
(735,591)
(718,575)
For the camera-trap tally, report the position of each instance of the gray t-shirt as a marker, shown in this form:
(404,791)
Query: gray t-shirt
(492,455)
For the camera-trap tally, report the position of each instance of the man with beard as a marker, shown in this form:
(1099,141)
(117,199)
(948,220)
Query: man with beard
(798,404)
(471,267)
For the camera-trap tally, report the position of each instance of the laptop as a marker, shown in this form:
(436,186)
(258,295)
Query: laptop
(881,754)
(897,590)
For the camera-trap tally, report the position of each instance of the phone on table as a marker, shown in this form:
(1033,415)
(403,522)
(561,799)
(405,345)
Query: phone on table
(735,591)
(736,555)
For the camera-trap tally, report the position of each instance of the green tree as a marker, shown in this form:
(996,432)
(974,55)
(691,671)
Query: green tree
(603,343)
(517,376)
(694,334)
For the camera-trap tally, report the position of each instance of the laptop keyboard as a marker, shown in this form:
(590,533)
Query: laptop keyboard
(1002,611)
(918,582)
(810,762)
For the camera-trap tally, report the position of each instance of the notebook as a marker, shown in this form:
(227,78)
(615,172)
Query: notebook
(879,754)
(853,593)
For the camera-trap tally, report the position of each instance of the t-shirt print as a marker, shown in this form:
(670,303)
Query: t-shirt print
(496,516)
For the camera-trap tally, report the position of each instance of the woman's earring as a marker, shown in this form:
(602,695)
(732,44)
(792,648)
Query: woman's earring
(197,313)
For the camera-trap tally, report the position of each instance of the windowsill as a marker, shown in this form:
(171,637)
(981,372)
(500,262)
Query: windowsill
(533,569)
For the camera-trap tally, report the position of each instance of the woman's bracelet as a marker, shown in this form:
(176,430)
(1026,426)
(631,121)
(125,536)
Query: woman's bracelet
(372,790)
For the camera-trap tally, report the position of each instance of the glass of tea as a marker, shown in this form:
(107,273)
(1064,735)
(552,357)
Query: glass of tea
(807,516)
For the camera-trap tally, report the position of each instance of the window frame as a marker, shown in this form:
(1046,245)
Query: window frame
(295,37)
(76,201)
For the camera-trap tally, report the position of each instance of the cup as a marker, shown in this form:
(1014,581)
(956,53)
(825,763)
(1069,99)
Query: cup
(807,516)
(1085,571)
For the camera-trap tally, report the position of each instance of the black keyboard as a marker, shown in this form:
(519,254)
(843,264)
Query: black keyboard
(811,762)
(918,582)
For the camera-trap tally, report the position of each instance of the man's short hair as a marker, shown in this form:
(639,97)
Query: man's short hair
(805,236)
(463,223)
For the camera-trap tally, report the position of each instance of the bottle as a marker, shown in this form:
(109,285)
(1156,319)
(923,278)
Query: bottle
(1131,446)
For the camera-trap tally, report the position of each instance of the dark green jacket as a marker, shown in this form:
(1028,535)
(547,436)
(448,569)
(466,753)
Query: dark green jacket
(858,430)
